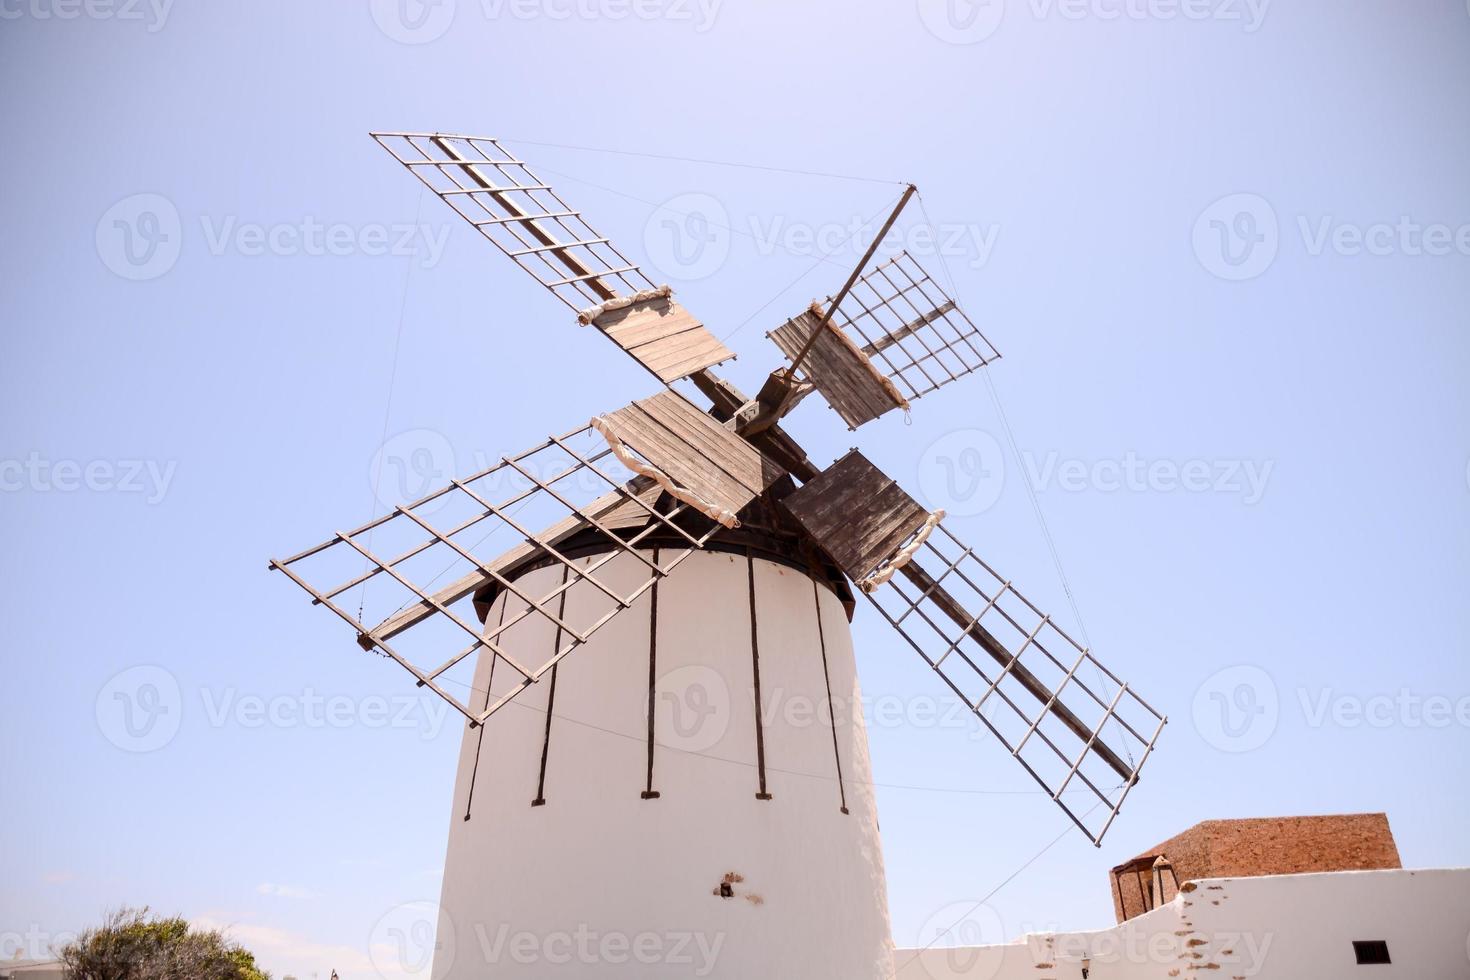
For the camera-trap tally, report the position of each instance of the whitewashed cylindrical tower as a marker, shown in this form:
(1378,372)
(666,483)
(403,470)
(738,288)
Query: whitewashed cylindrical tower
(636,815)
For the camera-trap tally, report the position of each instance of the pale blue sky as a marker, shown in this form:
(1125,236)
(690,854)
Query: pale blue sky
(227,406)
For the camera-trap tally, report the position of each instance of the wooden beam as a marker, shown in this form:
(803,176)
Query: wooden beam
(908,329)
(468,584)
(772,441)
(1033,685)
(908,193)
(727,399)
(844,373)
(556,247)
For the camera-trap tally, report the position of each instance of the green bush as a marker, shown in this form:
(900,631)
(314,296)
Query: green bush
(131,946)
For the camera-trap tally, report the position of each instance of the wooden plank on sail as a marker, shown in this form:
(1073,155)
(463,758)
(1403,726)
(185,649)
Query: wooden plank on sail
(697,452)
(857,513)
(663,336)
(844,375)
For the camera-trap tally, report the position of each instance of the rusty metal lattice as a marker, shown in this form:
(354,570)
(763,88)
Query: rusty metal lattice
(1048,700)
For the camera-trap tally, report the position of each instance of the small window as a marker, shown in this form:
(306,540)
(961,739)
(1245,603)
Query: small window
(1371,952)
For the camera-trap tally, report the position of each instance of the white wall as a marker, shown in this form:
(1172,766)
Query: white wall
(1289,927)
(538,892)
(31,971)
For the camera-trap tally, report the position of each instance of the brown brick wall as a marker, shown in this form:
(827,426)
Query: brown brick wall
(1188,852)
(1127,896)
(1268,846)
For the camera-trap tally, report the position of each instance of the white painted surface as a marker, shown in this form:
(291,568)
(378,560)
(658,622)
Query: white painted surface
(32,970)
(599,882)
(1287,927)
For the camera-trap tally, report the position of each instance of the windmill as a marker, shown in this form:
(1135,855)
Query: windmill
(618,610)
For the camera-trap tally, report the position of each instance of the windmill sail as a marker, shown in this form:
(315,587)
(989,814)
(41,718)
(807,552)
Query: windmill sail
(528,221)
(624,500)
(1077,729)
(896,337)
(645,486)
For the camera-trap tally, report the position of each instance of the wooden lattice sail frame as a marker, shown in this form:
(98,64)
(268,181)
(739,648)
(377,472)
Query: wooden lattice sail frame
(1048,700)
(659,467)
(893,338)
(526,219)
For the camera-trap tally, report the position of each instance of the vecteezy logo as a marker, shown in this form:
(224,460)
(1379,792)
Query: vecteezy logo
(962,21)
(1237,237)
(971,935)
(1236,709)
(140,710)
(411,465)
(140,236)
(413,21)
(962,472)
(411,940)
(688,236)
(691,709)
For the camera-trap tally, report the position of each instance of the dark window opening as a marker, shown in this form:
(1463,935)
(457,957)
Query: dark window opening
(1371,952)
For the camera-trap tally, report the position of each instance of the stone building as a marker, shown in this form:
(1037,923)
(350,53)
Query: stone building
(1250,849)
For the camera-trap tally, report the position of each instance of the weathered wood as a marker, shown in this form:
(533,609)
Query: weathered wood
(713,440)
(773,442)
(695,450)
(852,391)
(661,335)
(664,337)
(909,329)
(643,323)
(687,468)
(683,354)
(860,517)
(908,192)
(557,248)
(844,375)
(858,514)
(966,621)
(603,509)
(946,344)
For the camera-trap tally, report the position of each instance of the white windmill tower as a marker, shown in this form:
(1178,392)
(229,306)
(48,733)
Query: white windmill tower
(645,807)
